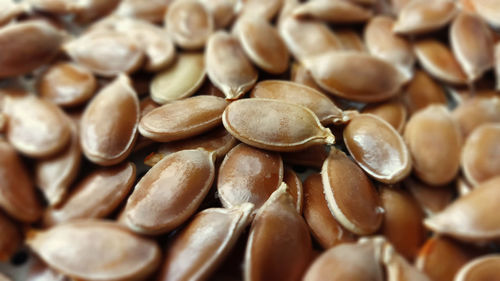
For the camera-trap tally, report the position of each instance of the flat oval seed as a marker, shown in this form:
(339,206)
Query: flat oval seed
(469,217)
(262,44)
(335,11)
(300,74)
(248,174)
(183,118)
(180,80)
(10,237)
(39,271)
(378,148)
(67,84)
(40,43)
(266,9)
(96,250)
(421,92)
(313,156)
(36,127)
(431,199)
(497,65)
(10,10)
(483,268)
(393,112)
(228,67)
(376,80)
(424,16)
(189,23)
(204,244)
(108,128)
(223,11)
(350,40)
(326,111)
(275,125)
(435,142)
(439,61)
(397,267)
(350,195)
(277,219)
(170,192)
(152,11)
(294,188)
(476,111)
(323,225)
(489,10)
(96,196)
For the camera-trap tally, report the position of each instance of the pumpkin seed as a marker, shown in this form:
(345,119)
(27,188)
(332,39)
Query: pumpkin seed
(431,199)
(350,40)
(300,74)
(10,237)
(488,10)
(39,271)
(223,11)
(397,268)
(335,11)
(152,11)
(265,9)
(313,156)
(393,112)
(10,11)
(424,16)
(421,92)
(294,188)
(476,111)
(483,268)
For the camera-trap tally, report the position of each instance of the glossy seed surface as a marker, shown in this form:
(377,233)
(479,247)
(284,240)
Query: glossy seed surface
(424,16)
(393,112)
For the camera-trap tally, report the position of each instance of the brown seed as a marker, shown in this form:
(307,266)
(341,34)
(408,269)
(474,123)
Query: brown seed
(462,186)
(94,9)
(265,9)
(350,40)
(300,74)
(223,11)
(323,225)
(170,192)
(109,123)
(350,195)
(294,188)
(183,118)
(378,148)
(335,11)
(248,174)
(392,111)
(313,156)
(96,250)
(96,196)
(275,125)
(204,244)
(152,11)
(488,10)
(431,199)
(483,268)
(476,111)
(39,271)
(278,219)
(469,217)
(435,142)
(439,61)
(497,65)
(189,23)
(180,80)
(397,5)
(26,45)
(424,16)
(67,84)
(397,267)
(421,92)
(10,237)
(36,127)
(376,80)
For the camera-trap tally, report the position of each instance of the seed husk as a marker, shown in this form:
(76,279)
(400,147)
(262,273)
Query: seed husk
(10,237)
(393,112)
(397,267)
(488,10)
(180,80)
(295,188)
(183,118)
(431,199)
(96,196)
(265,9)
(476,111)
(482,268)
(435,143)
(323,225)
(189,23)
(350,40)
(350,195)
(82,250)
(424,16)
(170,192)
(205,242)
(228,67)
(248,174)
(223,11)
(313,156)
(276,219)
(378,148)
(108,128)
(421,92)
(376,80)
(300,74)
(335,11)
(10,10)
(275,125)
(58,6)
(152,11)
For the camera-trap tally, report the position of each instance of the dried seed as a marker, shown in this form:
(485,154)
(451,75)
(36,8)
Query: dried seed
(323,225)
(335,11)
(39,271)
(170,192)
(82,250)
(10,10)
(58,6)
(96,196)
(481,154)
(223,11)
(482,268)
(431,199)
(392,111)
(275,125)
(26,45)
(36,127)
(472,43)
(350,195)
(290,257)
(439,61)
(497,65)
(10,237)
(326,111)
(378,148)
(422,16)
(183,118)
(350,40)
(204,244)
(146,105)
(265,9)
(476,111)
(189,23)
(463,187)
(180,80)
(313,156)
(435,142)
(421,92)
(469,217)
(397,268)
(248,174)
(109,123)
(300,74)
(294,188)
(376,80)
(398,5)
(488,10)
(262,44)
(152,11)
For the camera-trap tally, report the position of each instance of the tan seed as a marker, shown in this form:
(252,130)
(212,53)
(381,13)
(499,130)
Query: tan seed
(397,267)
(39,271)
(10,10)
(295,188)
(462,186)
(483,268)
(476,111)
(422,16)
(223,11)
(393,112)
(313,156)
(58,6)
(300,74)
(431,199)
(421,92)
(350,40)
(152,11)
(488,10)
(335,11)
(10,237)
(497,65)
(265,9)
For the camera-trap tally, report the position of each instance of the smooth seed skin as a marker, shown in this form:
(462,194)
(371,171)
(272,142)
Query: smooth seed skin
(431,199)
(421,92)
(295,188)
(313,156)
(398,268)
(476,111)
(424,16)
(266,9)
(152,11)
(483,268)
(334,11)
(488,10)
(10,237)
(223,11)
(394,112)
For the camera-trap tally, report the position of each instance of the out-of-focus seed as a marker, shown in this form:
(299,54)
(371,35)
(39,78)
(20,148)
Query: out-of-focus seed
(223,11)
(397,5)
(180,80)
(397,267)
(350,195)
(96,250)
(152,10)
(266,9)
(10,10)
(421,92)
(431,199)
(109,123)
(170,192)
(482,268)
(489,10)
(422,16)
(4,277)
(313,156)
(295,188)
(204,244)
(10,237)
(275,125)
(393,112)
(39,271)
(278,218)
(335,11)
(462,186)
(350,40)
(228,67)
(497,64)
(300,74)
(476,111)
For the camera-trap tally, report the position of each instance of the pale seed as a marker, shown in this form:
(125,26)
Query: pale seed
(476,111)
(393,112)
(421,92)
(431,199)
(397,267)
(265,9)
(463,187)
(482,268)
(489,10)
(275,125)
(152,10)
(313,156)
(295,188)
(350,40)
(335,11)
(422,16)
(10,10)
(58,6)
(397,5)
(10,237)
(94,9)
(223,11)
